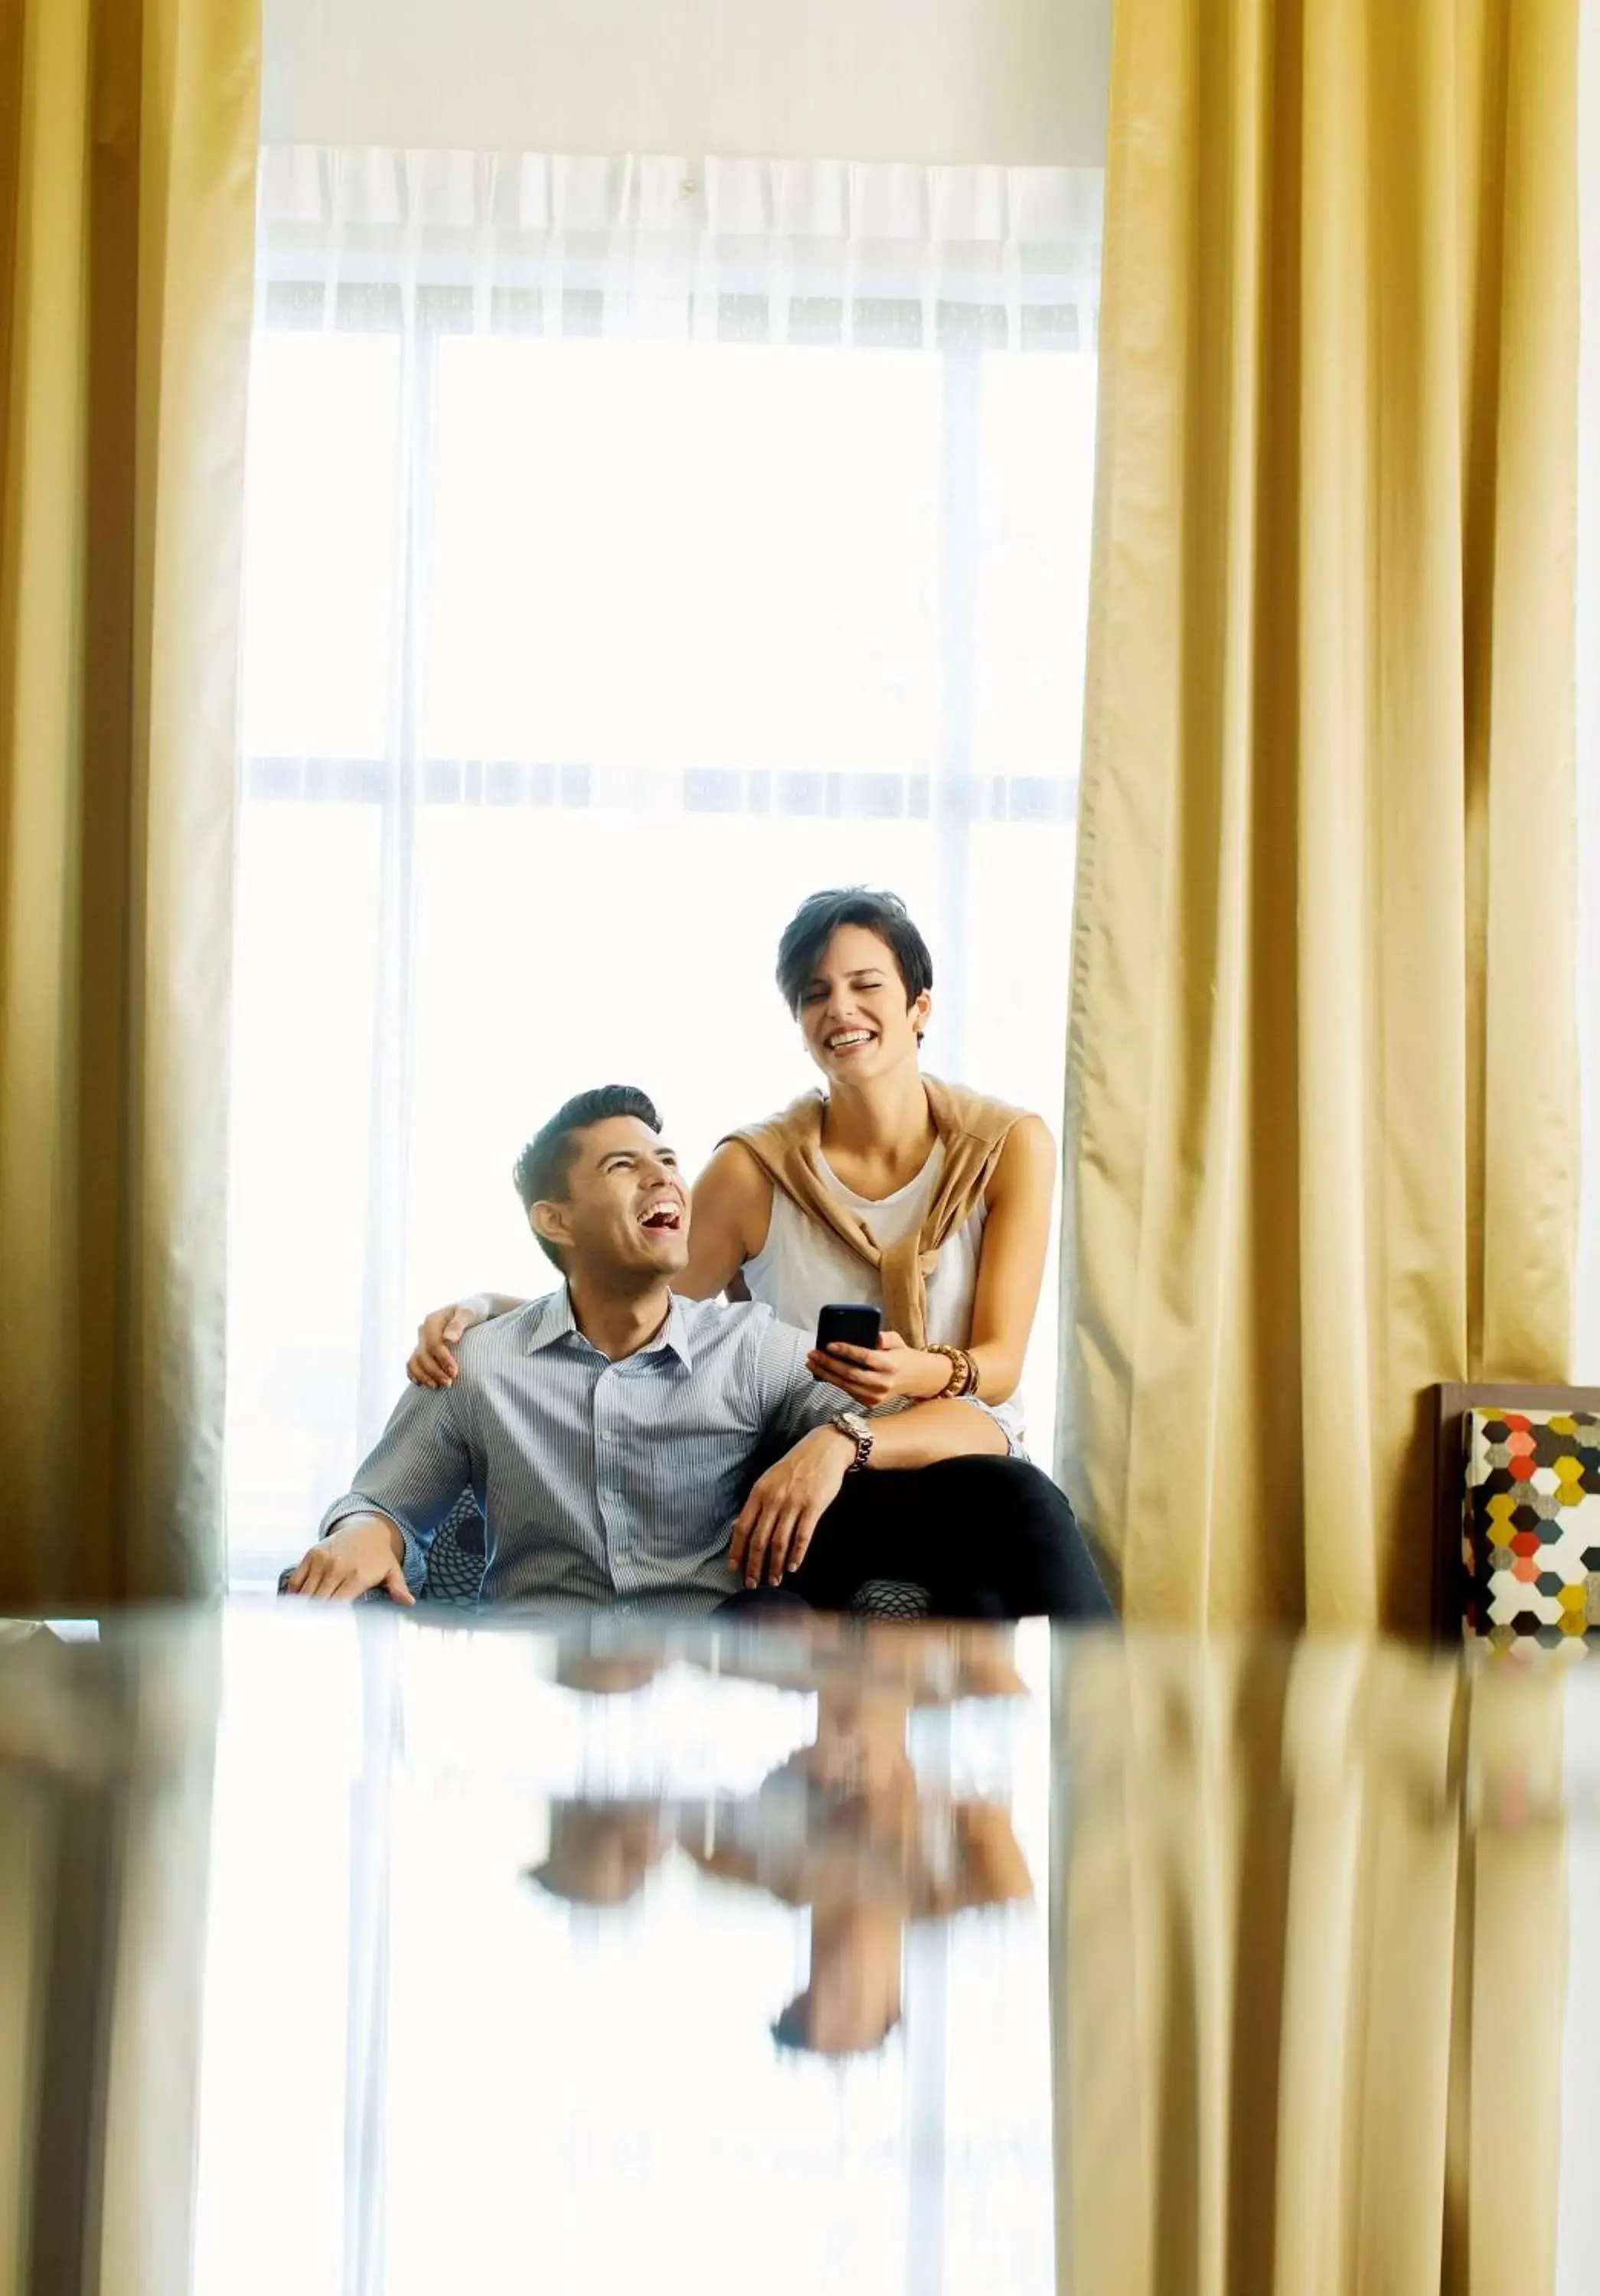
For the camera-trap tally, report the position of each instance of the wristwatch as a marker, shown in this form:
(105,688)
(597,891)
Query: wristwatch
(853,1424)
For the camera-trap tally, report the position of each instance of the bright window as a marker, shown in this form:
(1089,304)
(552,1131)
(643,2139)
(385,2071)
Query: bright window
(574,661)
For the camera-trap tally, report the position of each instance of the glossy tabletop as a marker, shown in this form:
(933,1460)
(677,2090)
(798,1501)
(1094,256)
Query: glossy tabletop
(341,1951)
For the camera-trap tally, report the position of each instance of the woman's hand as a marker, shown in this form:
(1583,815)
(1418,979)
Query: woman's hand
(886,1374)
(431,1362)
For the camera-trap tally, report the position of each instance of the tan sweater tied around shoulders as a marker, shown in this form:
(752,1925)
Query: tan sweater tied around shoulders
(973,1130)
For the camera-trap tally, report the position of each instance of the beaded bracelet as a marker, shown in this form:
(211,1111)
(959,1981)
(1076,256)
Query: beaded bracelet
(951,1356)
(963,1371)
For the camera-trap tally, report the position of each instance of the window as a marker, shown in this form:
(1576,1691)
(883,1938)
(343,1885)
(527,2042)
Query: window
(610,589)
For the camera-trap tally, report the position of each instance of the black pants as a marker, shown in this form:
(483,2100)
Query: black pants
(988,1538)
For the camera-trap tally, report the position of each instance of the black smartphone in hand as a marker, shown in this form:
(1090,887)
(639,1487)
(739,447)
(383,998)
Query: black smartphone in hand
(857,1326)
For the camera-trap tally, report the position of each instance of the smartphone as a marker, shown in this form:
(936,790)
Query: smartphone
(857,1326)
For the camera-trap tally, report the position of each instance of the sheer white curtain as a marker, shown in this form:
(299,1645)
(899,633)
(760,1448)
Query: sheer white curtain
(635,546)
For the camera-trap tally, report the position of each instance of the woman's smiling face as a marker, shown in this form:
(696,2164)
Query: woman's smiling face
(854,1013)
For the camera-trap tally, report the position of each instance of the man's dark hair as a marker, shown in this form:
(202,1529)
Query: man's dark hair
(541,1172)
(816,921)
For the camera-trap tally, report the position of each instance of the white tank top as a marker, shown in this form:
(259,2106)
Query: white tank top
(803,1267)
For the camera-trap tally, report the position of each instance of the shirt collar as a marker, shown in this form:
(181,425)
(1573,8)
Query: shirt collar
(552,1320)
(674,1333)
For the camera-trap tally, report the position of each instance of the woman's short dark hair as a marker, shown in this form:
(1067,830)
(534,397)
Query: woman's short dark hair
(818,918)
(791,2029)
(541,1172)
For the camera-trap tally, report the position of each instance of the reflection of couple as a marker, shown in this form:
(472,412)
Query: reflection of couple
(610,1429)
(840,1828)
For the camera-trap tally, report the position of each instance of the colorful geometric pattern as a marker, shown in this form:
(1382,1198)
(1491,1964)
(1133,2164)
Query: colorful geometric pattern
(1530,1531)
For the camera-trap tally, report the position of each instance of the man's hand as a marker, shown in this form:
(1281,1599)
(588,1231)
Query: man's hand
(432,1362)
(365,1551)
(773,1529)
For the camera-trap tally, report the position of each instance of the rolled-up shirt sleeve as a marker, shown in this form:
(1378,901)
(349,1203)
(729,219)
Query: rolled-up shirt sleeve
(414,1473)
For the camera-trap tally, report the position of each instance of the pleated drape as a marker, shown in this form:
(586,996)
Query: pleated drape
(1310,1973)
(1322,1121)
(127,152)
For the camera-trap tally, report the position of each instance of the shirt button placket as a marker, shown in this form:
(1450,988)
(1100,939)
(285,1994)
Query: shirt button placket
(612,1514)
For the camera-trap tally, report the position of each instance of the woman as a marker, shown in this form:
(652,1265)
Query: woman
(917,1197)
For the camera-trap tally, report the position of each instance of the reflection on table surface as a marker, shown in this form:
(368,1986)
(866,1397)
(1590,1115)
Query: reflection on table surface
(346,1952)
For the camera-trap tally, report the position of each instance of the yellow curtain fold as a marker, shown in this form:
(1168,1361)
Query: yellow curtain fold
(1310,1967)
(106,1793)
(1321,1120)
(128,144)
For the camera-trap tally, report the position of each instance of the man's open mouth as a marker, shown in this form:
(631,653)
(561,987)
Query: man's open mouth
(663,1216)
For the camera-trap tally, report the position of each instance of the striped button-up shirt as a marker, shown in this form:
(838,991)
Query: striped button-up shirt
(601,1482)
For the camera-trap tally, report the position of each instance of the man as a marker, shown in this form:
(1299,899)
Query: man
(608,1429)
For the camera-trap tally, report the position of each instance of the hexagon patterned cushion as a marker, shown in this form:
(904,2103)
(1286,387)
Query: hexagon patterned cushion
(1530,1530)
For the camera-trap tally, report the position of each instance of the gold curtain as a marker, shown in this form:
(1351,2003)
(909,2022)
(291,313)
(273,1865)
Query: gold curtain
(1322,1102)
(106,1788)
(128,143)
(1311,1958)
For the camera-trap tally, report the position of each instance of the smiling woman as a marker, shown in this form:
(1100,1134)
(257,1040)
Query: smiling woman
(931,1204)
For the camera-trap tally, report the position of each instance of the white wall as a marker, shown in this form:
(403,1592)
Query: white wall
(953,80)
